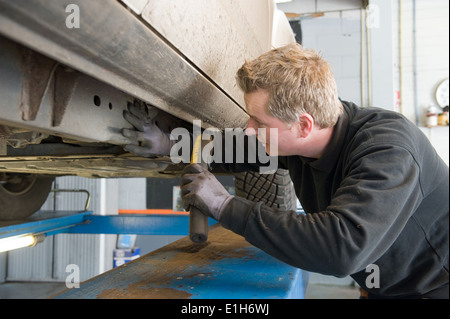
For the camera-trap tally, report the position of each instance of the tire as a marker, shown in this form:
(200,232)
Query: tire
(274,190)
(21,195)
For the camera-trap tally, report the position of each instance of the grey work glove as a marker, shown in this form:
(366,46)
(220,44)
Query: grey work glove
(147,139)
(201,189)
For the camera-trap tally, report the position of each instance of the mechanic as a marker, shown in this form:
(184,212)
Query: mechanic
(373,188)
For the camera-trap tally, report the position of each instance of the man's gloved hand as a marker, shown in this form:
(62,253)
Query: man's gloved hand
(201,189)
(147,139)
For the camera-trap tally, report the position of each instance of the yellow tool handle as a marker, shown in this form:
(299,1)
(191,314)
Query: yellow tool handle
(197,149)
(198,222)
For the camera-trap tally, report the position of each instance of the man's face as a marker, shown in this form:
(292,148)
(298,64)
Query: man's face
(257,103)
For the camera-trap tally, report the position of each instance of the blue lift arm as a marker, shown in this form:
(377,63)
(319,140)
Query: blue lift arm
(226,266)
(73,222)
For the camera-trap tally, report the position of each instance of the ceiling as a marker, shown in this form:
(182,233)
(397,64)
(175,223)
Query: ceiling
(312,6)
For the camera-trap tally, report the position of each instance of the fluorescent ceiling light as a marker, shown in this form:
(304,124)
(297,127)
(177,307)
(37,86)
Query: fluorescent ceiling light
(20,241)
(282,1)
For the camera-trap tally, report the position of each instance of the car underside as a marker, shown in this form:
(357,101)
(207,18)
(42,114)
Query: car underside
(64,88)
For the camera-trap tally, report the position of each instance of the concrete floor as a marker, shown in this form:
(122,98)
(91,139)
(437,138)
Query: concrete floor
(30,290)
(43,290)
(321,291)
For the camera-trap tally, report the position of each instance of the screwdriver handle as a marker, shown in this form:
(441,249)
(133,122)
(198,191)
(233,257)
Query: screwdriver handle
(198,222)
(198,226)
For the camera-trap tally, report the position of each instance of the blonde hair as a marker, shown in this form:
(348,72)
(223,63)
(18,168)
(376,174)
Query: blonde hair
(298,81)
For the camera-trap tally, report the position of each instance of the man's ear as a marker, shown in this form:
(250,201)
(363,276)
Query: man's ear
(306,124)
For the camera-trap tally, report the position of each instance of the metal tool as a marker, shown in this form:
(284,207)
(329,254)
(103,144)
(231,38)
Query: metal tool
(198,222)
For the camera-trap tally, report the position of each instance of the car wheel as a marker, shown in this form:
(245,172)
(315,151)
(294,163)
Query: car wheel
(21,195)
(275,190)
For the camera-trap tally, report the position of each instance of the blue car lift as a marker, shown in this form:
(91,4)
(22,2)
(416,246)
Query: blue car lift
(226,266)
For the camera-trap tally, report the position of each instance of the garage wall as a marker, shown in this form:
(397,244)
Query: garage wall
(133,195)
(432,30)
(362,57)
(432,62)
(396,39)
(338,37)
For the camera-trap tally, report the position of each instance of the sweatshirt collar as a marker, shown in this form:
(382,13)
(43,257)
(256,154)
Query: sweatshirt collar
(329,158)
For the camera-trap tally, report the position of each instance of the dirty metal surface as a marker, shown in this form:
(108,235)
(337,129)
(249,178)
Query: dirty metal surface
(225,33)
(226,266)
(144,65)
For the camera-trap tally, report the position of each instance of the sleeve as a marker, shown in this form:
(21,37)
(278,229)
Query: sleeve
(366,214)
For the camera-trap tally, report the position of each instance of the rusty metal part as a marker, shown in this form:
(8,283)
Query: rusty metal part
(85,161)
(81,109)
(38,71)
(94,166)
(65,80)
(3,146)
(19,138)
(144,65)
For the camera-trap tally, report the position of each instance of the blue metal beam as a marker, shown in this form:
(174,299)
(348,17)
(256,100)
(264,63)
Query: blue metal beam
(135,224)
(46,222)
(225,267)
(52,223)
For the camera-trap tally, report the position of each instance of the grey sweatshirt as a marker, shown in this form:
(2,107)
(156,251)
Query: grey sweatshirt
(379,195)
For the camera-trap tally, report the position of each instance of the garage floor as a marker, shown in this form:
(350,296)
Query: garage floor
(42,290)
(320,291)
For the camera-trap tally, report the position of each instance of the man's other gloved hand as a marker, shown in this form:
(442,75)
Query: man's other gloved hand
(147,138)
(201,189)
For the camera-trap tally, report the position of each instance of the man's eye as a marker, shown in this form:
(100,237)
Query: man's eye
(259,123)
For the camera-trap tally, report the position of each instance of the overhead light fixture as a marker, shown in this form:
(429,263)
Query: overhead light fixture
(282,1)
(21,241)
